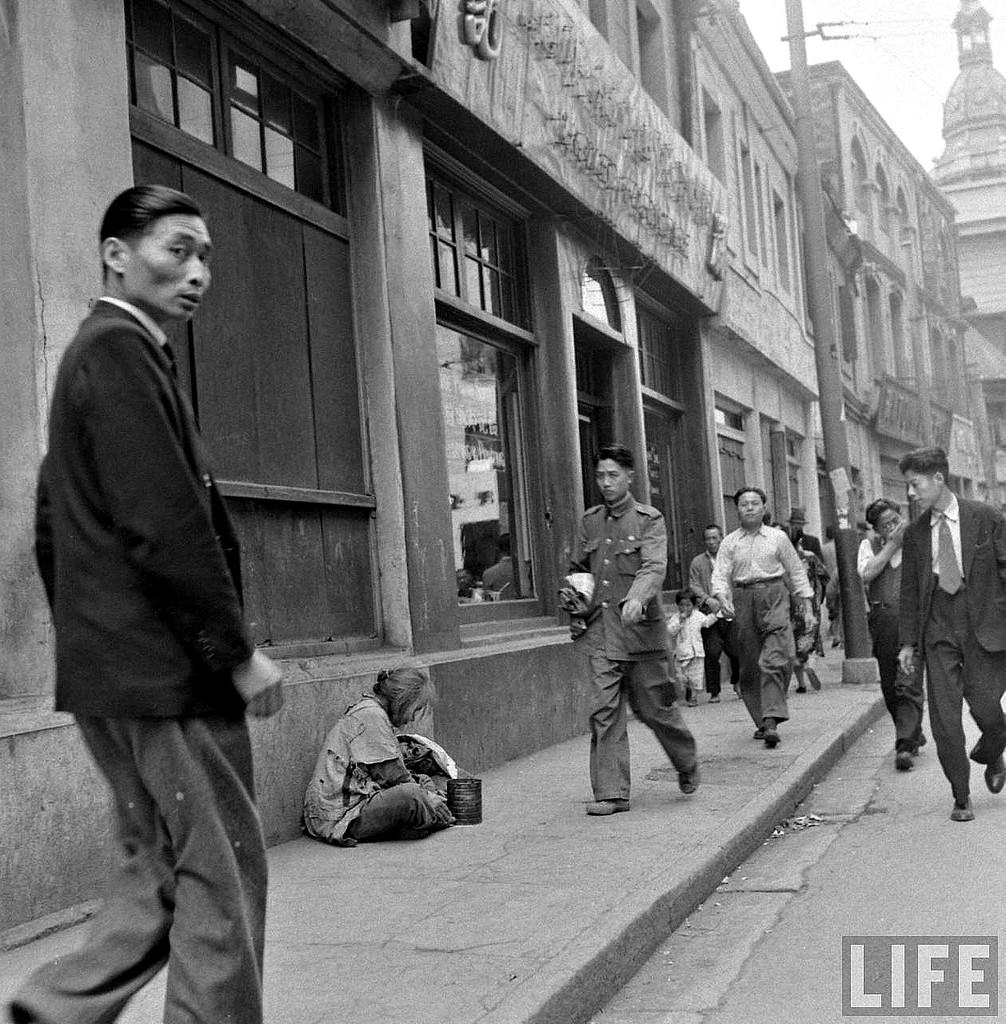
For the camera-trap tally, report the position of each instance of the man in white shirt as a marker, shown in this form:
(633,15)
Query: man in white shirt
(879,565)
(756,570)
(953,615)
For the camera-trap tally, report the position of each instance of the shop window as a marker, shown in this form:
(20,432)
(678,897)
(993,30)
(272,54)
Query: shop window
(190,74)
(730,445)
(480,390)
(473,251)
(660,346)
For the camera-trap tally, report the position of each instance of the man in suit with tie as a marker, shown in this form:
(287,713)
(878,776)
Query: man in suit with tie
(953,614)
(140,566)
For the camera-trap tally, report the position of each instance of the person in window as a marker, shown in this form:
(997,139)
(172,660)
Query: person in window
(498,578)
(756,569)
(879,566)
(361,789)
(623,545)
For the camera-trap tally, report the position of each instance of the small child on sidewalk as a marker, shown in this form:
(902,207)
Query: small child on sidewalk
(685,629)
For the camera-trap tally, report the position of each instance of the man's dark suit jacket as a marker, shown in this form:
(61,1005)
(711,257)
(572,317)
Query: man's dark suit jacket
(138,557)
(983,553)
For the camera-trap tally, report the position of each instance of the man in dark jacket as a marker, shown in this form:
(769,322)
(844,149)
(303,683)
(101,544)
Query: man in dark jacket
(953,615)
(140,566)
(623,544)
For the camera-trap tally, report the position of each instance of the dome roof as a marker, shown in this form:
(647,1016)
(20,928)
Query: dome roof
(976,99)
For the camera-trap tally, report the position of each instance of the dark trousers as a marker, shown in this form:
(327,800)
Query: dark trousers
(649,691)
(960,669)
(190,891)
(902,693)
(718,640)
(399,812)
(764,639)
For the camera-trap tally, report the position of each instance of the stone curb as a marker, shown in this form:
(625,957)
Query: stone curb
(581,978)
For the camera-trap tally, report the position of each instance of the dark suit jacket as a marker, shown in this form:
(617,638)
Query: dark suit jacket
(983,553)
(135,549)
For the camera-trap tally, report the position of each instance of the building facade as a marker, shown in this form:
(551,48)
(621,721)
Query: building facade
(971,173)
(897,300)
(456,248)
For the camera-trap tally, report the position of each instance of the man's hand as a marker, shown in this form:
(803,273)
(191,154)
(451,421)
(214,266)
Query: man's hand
(897,536)
(632,611)
(577,627)
(809,619)
(712,605)
(906,659)
(260,683)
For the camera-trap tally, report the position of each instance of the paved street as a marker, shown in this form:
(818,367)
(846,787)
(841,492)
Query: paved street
(884,860)
(540,913)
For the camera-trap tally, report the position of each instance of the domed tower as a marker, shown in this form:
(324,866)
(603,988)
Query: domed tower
(971,173)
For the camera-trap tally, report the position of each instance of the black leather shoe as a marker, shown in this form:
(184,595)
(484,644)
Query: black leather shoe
(769,733)
(759,733)
(962,812)
(604,807)
(995,775)
(903,761)
(688,782)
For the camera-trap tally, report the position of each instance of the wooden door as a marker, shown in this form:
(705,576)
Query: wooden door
(661,444)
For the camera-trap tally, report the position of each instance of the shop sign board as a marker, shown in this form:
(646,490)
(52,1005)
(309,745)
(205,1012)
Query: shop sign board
(558,94)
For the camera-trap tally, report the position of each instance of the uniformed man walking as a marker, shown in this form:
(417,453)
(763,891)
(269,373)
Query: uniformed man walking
(623,545)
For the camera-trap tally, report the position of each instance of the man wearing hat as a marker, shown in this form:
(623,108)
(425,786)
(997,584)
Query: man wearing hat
(807,541)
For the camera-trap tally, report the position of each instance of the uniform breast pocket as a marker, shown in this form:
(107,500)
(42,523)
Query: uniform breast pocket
(627,557)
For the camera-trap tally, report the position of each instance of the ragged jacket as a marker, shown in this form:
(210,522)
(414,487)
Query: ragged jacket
(625,549)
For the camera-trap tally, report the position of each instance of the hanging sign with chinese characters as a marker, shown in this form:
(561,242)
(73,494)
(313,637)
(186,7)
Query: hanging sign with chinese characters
(562,98)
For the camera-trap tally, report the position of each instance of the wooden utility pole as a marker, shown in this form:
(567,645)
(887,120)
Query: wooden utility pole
(859,665)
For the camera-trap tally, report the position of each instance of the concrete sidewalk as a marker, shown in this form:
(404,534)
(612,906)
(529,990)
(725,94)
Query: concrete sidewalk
(540,913)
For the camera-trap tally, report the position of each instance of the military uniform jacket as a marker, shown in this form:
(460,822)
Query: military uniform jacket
(134,546)
(625,549)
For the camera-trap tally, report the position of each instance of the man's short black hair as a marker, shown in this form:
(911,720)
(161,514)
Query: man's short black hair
(750,490)
(877,508)
(927,461)
(131,212)
(712,526)
(617,453)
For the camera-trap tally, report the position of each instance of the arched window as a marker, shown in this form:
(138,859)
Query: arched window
(598,295)
(883,200)
(862,193)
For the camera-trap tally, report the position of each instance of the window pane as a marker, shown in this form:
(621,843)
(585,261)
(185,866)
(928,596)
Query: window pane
(245,143)
(492,291)
(310,181)
(244,89)
(195,110)
(305,123)
(445,212)
(192,51)
(448,272)
(480,408)
(469,228)
(487,240)
(153,88)
(152,29)
(276,105)
(279,158)
(473,290)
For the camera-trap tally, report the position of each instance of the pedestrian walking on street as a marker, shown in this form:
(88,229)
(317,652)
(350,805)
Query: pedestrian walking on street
(756,569)
(685,629)
(141,569)
(623,545)
(953,616)
(879,563)
(718,639)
